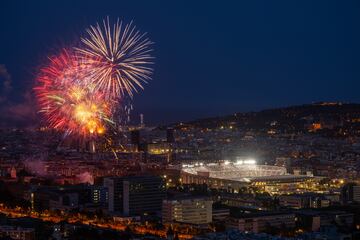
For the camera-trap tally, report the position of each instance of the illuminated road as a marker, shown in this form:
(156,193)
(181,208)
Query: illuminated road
(78,218)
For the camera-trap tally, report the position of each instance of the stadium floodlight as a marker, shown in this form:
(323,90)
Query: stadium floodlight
(250,161)
(239,162)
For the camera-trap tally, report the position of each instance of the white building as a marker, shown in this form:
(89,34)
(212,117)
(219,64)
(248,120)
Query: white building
(189,210)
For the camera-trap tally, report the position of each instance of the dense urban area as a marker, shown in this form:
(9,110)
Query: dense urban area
(287,173)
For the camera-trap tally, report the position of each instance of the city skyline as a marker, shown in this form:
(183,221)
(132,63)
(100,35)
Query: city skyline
(179,120)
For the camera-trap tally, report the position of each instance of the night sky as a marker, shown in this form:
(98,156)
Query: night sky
(212,57)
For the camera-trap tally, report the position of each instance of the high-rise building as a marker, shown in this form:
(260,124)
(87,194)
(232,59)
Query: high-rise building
(135,137)
(67,197)
(188,210)
(135,195)
(350,193)
(98,194)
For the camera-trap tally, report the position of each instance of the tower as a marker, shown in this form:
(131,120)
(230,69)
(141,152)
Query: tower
(142,120)
(135,137)
(92,148)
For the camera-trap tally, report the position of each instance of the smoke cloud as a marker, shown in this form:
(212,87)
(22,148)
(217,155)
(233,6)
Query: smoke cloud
(36,167)
(19,113)
(85,177)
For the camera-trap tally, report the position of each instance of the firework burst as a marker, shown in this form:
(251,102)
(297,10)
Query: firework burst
(82,90)
(120,58)
(66,101)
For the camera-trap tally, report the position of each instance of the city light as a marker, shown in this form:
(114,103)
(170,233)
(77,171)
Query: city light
(90,167)
(246,162)
(239,162)
(250,161)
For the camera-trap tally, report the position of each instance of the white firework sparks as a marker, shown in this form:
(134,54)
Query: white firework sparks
(120,56)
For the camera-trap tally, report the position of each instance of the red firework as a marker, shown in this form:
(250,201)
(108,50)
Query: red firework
(67,100)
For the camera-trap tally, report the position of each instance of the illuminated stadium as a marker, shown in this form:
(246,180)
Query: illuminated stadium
(239,171)
(235,175)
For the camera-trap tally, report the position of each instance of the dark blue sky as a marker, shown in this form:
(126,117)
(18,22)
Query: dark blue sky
(212,57)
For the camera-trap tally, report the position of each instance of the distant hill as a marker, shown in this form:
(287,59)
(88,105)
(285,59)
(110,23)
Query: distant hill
(319,116)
